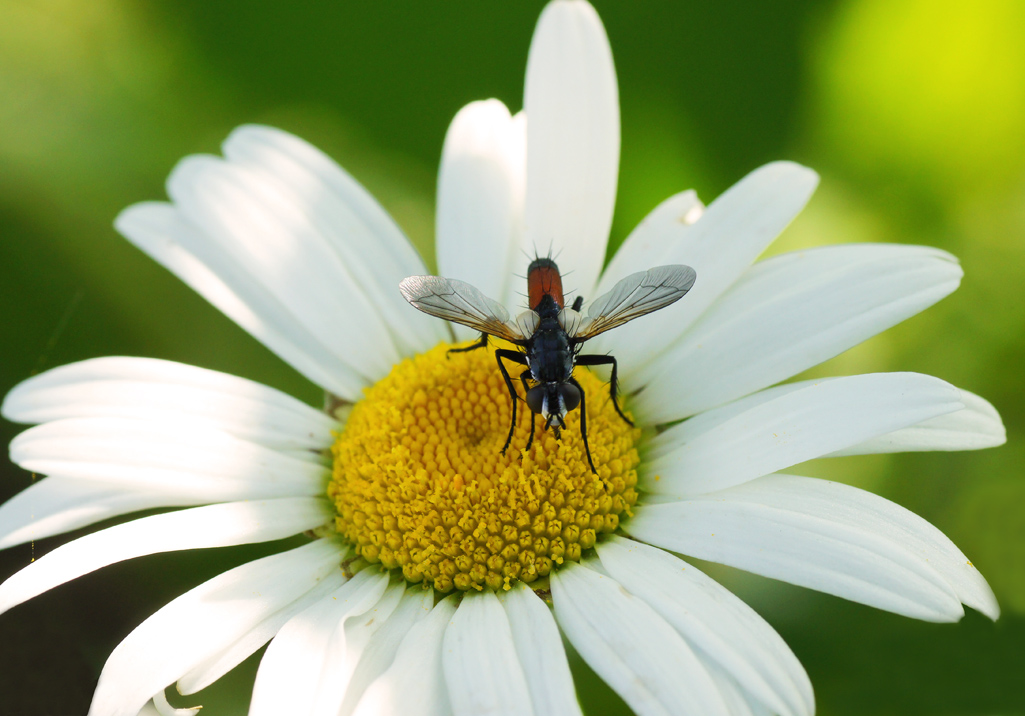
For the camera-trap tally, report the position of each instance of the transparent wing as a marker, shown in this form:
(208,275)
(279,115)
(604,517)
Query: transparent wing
(460,302)
(636,295)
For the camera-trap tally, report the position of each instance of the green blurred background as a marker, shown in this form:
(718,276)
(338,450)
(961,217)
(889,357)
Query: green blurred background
(913,111)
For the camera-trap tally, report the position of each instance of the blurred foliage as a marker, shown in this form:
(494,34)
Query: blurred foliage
(912,110)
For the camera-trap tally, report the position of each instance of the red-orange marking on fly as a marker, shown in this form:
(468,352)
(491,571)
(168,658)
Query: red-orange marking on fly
(543,278)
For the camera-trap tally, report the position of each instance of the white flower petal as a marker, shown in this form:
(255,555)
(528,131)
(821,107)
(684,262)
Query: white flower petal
(630,646)
(843,549)
(217,665)
(163,708)
(148,388)
(164,455)
(204,622)
(816,419)
(201,527)
(539,646)
(55,504)
(713,621)
(572,106)
(482,670)
(789,313)
(161,231)
(480,200)
(738,701)
(652,239)
(292,672)
(974,427)
(359,631)
(415,681)
(359,230)
(731,233)
(247,219)
(379,653)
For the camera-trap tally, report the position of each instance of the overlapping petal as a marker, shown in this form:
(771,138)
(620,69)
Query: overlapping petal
(165,454)
(162,232)
(572,105)
(379,652)
(482,669)
(56,504)
(358,229)
(787,314)
(759,434)
(974,427)
(719,246)
(481,186)
(824,536)
(540,651)
(714,622)
(204,622)
(296,672)
(201,527)
(630,646)
(148,388)
(415,681)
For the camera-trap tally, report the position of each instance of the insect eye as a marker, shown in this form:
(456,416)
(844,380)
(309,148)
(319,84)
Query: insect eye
(536,398)
(570,396)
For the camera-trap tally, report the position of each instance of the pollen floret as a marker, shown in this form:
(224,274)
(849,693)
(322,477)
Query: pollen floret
(420,483)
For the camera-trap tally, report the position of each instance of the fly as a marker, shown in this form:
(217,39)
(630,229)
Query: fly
(549,334)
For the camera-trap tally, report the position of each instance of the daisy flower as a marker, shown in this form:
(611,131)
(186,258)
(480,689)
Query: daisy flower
(441,575)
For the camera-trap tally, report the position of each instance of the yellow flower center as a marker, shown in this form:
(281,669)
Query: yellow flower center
(420,483)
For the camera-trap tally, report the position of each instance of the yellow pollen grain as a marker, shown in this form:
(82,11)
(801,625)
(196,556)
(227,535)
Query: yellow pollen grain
(420,484)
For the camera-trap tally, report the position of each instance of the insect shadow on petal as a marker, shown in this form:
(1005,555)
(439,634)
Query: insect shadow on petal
(549,334)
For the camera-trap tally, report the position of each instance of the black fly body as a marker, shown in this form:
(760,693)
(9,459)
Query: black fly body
(549,334)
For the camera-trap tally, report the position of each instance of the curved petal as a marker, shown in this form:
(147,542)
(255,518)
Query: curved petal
(482,670)
(293,672)
(415,681)
(651,239)
(572,105)
(246,220)
(164,234)
(480,200)
(217,665)
(542,656)
(974,427)
(715,622)
(414,607)
(163,454)
(789,313)
(355,225)
(815,419)
(731,233)
(201,527)
(118,387)
(630,646)
(205,621)
(832,541)
(739,702)
(56,504)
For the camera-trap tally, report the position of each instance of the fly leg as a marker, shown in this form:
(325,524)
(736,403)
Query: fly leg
(515,357)
(523,379)
(583,422)
(614,385)
(578,302)
(481,343)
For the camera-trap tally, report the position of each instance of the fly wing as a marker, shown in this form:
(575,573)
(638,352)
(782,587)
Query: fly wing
(460,302)
(636,295)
